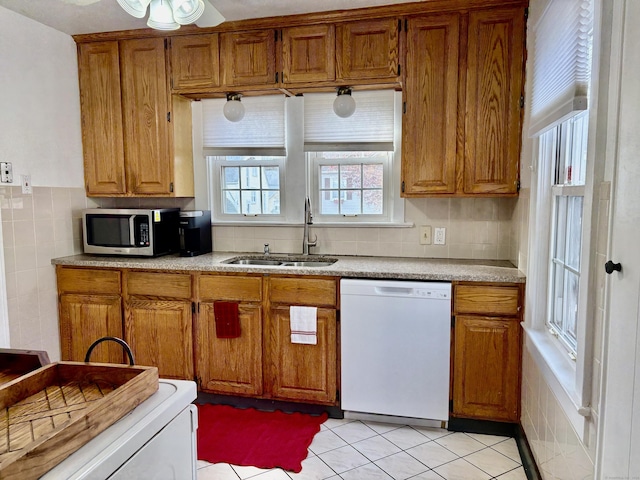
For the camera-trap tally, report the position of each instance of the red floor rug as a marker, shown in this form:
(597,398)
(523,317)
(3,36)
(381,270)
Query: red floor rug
(253,438)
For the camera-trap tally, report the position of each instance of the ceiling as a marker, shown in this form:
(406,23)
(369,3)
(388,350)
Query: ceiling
(91,16)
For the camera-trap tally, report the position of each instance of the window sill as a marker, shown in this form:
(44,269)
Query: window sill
(559,372)
(314,225)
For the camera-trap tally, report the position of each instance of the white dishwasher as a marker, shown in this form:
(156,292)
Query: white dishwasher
(395,347)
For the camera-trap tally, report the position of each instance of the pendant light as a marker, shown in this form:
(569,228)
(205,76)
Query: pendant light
(233,110)
(344,105)
(170,14)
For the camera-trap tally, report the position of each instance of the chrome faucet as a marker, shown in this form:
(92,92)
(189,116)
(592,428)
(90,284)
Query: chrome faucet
(308,220)
(266,250)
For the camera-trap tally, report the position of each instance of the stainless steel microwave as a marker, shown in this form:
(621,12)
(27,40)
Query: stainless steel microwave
(133,232)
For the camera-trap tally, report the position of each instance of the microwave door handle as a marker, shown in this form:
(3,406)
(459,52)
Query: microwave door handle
(132,233)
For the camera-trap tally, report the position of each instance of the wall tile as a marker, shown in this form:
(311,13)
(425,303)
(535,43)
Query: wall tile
(24,233)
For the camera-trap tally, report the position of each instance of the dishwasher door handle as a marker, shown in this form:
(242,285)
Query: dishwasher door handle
(395,291)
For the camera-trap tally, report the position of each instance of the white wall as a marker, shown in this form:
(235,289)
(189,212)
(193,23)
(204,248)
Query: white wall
(40,135)
(40,106)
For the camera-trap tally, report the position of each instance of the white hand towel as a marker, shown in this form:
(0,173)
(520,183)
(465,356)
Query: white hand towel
(304,325)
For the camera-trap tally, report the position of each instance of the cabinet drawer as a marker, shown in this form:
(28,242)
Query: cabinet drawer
(80,280)
(230,288)
(487,299)
(303,291)
(173,285)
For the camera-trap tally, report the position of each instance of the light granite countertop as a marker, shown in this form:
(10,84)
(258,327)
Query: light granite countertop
(397,268)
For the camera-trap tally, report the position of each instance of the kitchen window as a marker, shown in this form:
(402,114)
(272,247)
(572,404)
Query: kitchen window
(569,141)
(260,169)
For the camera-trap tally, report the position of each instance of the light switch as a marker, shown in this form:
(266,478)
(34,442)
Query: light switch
(425,235)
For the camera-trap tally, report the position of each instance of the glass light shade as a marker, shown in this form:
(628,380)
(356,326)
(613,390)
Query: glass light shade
(344,105)
(233,110)
(161,16)
(187,11)
(135,8)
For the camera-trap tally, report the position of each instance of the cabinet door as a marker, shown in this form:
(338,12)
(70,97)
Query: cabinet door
(248,58)
(302,372)
(230,365)
(86,318)
(159,333)
(101,113)
(367,50)
(145,104)
(195,62)
(308,54)
(486,367)
(493,114)
(429,125)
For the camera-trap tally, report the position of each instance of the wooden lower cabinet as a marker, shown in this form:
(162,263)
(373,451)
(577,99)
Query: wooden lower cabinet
(89,307)
(487,345)
(158,321)
(298,371)
(486,368)
(230,365)
(159,334)
(262,361)
(86,318)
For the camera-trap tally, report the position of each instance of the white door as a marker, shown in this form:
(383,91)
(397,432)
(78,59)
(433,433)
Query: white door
(620,424)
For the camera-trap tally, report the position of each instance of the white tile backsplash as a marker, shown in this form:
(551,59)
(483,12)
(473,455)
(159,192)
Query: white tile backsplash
(476,229)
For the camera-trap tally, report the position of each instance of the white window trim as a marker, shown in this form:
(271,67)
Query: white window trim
(214,168)
(569,380)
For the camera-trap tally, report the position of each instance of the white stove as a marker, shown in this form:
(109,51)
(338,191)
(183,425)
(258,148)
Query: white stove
(156,440)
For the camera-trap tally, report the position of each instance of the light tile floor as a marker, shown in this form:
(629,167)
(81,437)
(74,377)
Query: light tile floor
(357,450)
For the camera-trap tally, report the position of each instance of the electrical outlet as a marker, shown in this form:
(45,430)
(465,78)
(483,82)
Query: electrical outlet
(6,171)
(439,236)
(26,185)
(425,235)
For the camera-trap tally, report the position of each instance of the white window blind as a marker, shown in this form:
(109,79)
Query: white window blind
(260,132)
(561,62)
(369,128)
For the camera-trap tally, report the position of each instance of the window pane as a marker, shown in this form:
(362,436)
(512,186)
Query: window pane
(351,202)
(328,176)
(557,309)
(570,307)
(271,202)
(250,178)
(372,202)
(350,176)
(271,178)
(561,228)
(251,203)
(574,232)
(231,202)
(230,177)
(330,204)
(372,175)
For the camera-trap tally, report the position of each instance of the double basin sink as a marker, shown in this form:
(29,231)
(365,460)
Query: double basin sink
(282,261)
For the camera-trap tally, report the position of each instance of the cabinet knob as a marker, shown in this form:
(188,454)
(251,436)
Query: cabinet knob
(610,267)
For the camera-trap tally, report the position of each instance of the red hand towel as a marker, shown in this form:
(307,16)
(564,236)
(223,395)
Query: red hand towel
(227,319)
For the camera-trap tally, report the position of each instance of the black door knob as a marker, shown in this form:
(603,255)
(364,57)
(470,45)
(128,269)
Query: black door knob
(610,267)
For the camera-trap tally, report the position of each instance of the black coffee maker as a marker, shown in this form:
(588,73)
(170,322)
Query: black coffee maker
(195,232)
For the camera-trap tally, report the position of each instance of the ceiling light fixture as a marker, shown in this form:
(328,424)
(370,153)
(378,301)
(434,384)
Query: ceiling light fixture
(233,110)
(344,105)
(170,14)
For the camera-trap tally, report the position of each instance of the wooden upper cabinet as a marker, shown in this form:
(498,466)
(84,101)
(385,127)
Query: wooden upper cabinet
(101,114)
(308,54)
(248,58)
(145,104)
(368,50)
(195,62)
(429,125)
(493,92)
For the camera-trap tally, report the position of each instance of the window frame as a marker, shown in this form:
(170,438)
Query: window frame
(215,165)
(315,163)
